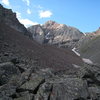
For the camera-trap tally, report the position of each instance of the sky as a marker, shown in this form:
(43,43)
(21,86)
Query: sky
(82,14)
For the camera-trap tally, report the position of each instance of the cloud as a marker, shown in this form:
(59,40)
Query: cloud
(45,14)
(26,22)
(6,2)
(27,2)
(29,11)
(18,15)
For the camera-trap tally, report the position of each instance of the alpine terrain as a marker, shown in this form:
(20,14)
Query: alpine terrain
(47,62)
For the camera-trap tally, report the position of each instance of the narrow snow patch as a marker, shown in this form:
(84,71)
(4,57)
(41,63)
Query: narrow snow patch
(87,61)
(84,34)
(75,51)
(76,66)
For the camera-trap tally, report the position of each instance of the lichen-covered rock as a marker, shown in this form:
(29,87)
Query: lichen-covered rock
(94,92)
(7,71)
(7,90)
(44,92)
(91,72)
(25,97)
(46,73)
(33,84)
(5,98)
(70,89)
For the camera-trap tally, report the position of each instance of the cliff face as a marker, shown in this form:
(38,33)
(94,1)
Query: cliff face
(37,33)
(9,18)
(57,34)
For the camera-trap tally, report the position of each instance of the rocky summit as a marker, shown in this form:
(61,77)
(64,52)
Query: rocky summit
(56,34)
(33,71)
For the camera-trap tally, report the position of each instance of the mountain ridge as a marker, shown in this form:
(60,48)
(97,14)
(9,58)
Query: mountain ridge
(8,17)
(54,33)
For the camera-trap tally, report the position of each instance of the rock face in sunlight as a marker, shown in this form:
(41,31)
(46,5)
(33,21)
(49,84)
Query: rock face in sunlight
(57,34)
(37,33)
(31,71)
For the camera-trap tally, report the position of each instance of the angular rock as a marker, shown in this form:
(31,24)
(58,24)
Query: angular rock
(5,98)
(7,70)
(94,93)
(7,90)
(25,97)
(91,72)
(33,84)
(71,89)
(44,92)
(46,73)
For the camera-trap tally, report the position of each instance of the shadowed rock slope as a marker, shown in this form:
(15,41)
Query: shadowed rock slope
(89,46)
(16,44)
(9,18)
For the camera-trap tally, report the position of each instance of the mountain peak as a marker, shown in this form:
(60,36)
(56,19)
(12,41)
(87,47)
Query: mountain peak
(50,22)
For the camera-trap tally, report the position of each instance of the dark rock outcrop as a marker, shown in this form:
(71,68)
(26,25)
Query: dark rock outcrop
(8,17)
(7,71)
(83,85)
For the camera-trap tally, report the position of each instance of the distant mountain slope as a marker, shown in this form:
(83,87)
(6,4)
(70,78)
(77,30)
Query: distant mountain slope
(57,34)
(89,46)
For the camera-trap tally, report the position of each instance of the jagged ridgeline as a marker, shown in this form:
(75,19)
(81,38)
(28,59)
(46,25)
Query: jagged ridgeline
(56,34)
(9,18)
(31,71)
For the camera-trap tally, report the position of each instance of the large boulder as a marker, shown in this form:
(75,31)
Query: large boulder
(32,84)
(7,90)
(94,93)
(25,96)
(69,89)
(7,71)
(44,92)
